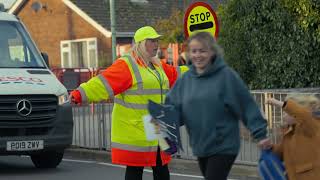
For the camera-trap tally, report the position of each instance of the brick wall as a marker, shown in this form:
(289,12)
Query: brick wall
(56,22)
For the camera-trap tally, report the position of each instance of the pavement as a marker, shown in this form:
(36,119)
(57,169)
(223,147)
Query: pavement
(181,166)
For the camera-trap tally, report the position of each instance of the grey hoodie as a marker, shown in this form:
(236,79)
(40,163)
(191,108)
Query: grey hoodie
(211,105)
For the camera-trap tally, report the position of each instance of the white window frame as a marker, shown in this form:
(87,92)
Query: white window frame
(139,1)
(68,50)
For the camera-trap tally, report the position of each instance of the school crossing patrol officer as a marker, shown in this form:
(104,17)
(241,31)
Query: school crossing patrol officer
(131,81)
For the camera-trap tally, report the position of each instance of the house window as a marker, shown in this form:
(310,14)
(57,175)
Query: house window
(80,53)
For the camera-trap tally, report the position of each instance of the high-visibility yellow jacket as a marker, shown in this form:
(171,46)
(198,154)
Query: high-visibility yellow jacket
(131,84)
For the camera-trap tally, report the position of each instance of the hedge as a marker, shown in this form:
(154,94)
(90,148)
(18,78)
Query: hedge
(272,43)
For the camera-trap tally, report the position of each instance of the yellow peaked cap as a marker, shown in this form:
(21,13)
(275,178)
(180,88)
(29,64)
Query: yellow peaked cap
(146,32)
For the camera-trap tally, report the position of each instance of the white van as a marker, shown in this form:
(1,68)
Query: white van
(35,114)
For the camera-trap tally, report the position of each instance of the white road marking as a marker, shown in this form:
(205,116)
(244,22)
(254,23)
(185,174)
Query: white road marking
(146,170)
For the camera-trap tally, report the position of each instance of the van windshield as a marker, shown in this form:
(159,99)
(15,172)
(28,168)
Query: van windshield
(16,48)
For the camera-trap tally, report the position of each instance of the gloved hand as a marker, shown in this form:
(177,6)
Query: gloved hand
(75,97)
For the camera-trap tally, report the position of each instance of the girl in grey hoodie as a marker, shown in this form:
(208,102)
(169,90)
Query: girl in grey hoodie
(212,98)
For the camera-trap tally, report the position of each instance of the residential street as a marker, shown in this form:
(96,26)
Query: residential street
(17,168)
(216,84)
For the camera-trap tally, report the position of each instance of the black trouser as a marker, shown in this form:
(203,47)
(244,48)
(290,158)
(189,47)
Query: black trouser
(216,167)
(159,172)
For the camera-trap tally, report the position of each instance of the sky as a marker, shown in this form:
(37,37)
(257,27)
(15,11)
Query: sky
(7,3)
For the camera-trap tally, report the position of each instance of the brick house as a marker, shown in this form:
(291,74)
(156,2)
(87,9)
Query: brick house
(77,33)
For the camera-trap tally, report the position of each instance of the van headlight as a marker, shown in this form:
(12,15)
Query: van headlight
(64,98)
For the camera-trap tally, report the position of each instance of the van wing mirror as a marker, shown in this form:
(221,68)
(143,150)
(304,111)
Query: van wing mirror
(45,58)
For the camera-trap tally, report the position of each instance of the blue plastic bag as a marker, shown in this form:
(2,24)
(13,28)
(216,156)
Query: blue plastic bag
(271,167)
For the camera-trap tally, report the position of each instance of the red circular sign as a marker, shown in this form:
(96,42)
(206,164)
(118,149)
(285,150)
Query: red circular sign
(200,17)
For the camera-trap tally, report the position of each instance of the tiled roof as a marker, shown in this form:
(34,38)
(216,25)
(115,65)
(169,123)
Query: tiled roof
(129,15)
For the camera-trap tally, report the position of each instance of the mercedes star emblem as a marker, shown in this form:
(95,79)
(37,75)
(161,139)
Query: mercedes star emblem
(24,107)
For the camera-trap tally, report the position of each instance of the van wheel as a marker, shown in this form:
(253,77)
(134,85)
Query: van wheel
(47,159)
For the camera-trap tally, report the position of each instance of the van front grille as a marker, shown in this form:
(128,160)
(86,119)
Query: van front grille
(27,110)
(12,132)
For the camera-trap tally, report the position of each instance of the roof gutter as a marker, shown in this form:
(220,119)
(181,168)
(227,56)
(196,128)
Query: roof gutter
(124,34)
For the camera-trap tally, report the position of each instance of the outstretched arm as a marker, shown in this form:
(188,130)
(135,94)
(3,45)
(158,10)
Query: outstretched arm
(114,80)
(301,114)
(241,103)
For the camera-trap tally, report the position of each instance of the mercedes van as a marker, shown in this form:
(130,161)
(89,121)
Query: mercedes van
(35,114)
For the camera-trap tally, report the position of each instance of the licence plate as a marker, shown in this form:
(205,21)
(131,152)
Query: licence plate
(24,145)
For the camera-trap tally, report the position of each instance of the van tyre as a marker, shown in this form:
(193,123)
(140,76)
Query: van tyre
(47,159)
